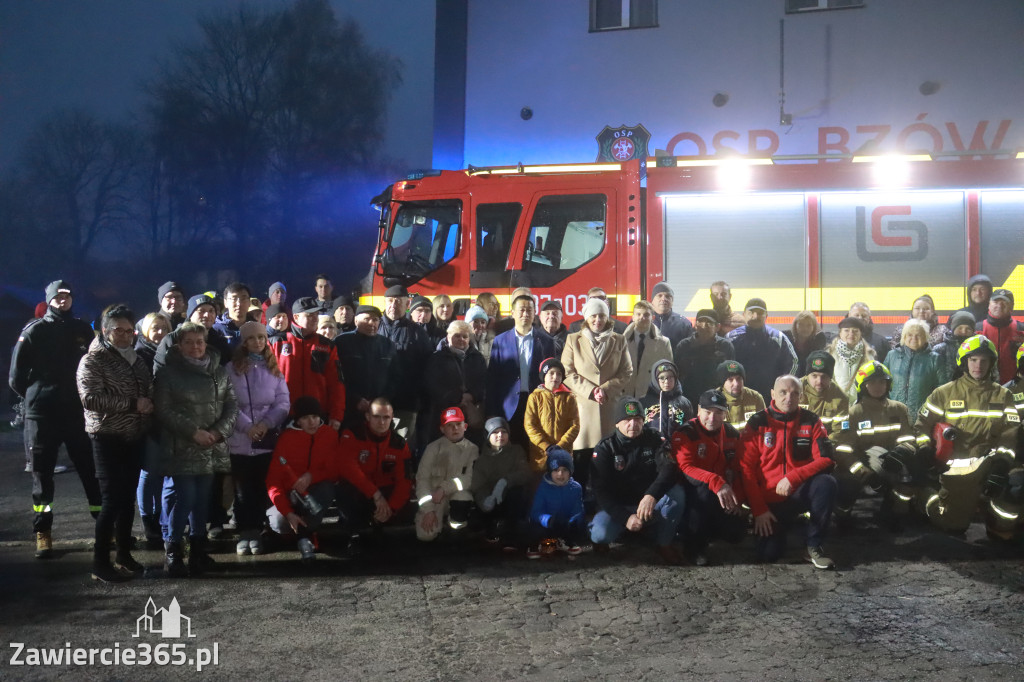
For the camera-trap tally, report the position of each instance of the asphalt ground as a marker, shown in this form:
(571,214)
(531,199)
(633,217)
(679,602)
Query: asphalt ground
(918,605)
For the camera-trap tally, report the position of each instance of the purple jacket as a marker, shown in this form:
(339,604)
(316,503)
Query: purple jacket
(262,397)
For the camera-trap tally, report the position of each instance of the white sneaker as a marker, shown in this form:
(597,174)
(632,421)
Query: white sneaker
(242,548)
(256,546)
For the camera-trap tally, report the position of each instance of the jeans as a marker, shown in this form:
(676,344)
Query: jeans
(608,525)
(186,500)
(816,495)
(117,470)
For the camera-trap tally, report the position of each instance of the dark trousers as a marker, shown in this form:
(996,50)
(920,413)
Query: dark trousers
(118,463)
(517,424)
(816,495)
(506,520)
(44,438)
(706,520)
(249,473)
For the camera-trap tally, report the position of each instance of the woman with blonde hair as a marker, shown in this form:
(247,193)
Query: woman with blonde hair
(806,337)
(916,369)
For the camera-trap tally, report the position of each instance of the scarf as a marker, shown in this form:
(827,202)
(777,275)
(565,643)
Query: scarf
(127,353)
(848,361)
(599,343)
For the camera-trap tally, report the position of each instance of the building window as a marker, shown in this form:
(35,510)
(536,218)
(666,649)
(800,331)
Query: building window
(609,15)
(798,6)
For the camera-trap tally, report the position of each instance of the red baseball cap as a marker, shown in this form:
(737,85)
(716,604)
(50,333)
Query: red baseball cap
(452,414)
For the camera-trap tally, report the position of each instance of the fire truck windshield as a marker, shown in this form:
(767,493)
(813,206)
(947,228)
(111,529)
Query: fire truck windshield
(423,237)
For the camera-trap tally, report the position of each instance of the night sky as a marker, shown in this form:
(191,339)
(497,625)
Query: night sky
(93,54)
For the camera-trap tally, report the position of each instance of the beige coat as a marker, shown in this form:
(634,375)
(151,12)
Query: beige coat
(583,375)
(656,348)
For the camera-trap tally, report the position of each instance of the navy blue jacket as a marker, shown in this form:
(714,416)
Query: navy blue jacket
(503,381)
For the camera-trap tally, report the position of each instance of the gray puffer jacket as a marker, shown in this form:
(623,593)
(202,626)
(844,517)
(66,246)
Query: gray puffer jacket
(190,397)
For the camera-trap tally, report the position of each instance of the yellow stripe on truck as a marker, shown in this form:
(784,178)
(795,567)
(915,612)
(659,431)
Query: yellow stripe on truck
(840,298)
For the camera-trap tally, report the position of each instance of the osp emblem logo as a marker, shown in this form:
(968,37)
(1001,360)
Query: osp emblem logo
(890,240)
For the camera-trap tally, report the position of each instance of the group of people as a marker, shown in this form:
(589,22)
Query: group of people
(546,437)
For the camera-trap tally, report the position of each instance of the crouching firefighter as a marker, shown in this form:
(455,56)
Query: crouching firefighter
(1005,514)
(874,447)
(968,428)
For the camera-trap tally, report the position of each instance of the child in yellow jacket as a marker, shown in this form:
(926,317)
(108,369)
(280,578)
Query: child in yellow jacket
(552,417)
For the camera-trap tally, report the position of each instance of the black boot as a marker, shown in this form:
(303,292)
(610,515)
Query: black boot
(175,560)
(198,560)
(154,535)
(103,570)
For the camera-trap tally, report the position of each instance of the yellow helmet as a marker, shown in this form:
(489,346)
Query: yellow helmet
(872,369)
(976,344)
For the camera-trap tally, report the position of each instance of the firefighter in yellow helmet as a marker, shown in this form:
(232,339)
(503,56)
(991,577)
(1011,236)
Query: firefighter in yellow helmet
(872,446)
(970,427)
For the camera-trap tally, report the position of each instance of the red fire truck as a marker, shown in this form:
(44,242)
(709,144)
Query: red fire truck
(804,234)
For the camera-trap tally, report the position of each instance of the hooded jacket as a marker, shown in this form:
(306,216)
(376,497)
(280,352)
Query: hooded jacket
(110,388)
(665,411)
(552,418)
(553,504)
(190,397)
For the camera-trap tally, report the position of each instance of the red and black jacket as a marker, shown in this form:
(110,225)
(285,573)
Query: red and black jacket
(778,445)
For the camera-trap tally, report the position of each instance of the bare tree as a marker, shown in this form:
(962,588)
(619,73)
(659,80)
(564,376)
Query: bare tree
(78,175)
(250,120)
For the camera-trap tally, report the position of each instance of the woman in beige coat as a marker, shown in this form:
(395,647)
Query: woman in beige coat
(597,370)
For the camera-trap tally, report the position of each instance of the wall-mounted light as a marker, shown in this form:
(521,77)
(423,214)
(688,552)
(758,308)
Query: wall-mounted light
(720,99)
(929,87)
(526,113)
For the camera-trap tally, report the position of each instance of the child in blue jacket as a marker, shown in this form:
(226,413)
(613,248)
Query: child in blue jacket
(557,512)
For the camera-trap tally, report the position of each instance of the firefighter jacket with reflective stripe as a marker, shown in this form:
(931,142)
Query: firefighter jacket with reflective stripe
(709,458)
(832,406)
(982,412)
(743,408)
(777,446)
(872,422)
(1016,389)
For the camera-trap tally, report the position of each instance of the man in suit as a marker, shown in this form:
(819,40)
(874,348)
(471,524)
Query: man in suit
(646,346)
(514,367)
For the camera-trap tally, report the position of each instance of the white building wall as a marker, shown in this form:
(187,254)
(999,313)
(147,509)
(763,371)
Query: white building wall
(844,69)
